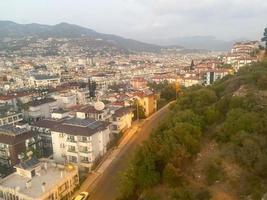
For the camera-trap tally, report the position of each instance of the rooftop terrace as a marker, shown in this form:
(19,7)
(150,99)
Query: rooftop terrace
(54,174)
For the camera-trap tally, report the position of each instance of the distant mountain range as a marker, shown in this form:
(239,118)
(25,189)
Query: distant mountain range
(9,29)
(197,42)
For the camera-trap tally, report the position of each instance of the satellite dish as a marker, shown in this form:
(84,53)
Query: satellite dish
(20,156)
(99,106)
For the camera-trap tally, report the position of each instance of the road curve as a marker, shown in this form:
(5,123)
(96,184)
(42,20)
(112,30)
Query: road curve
(106,187)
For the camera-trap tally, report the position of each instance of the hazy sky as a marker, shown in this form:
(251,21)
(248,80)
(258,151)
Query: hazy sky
(147,19)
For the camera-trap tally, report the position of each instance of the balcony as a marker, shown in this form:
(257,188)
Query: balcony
(84,141)
(4,157)
(3,149)
(85,161)
(85,153)
(71,140)
(72,150)
(84,150)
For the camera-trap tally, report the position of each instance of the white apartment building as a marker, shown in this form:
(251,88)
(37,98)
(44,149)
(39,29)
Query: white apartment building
(82,96)
(241,62)
(121,119)
(90,111)
(66,99)
(43,81)
(190,81)
(213,75)
(77,141)
(103,81)
(40,180)
(10,118)
(245,47)
(72,97)
(40,109)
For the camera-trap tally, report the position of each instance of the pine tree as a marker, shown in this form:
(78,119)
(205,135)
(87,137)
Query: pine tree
(264,39)
(192,65)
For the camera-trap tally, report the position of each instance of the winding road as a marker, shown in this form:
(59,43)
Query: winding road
(106,185)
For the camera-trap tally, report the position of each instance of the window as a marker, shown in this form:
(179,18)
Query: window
(10,119)
(83,139)
(71,149)
(33,173)
(73,159)
(71,138)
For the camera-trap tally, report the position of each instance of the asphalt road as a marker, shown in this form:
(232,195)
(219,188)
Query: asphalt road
(106,187)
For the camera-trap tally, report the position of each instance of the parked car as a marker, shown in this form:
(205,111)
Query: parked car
(81,196)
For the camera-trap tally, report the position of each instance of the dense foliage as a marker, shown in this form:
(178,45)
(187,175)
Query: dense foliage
(231,114)
(167,91)
(264,39)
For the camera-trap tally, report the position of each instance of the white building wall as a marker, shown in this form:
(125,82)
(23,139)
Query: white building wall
(98,145)
(59,146)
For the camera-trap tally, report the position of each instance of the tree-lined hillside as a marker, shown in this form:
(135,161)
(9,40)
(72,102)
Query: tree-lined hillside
(213,144)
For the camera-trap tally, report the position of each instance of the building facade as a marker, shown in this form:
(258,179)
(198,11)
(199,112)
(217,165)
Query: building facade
(13,142)
(77,141)
(40,180)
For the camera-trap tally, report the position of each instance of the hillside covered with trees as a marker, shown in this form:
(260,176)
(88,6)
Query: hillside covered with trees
(213,144)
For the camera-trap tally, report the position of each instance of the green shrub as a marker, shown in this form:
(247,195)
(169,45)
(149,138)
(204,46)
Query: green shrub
(213,173)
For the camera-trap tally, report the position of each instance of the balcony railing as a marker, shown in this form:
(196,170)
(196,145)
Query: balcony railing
(85,151)
(72,150)
(3,149)
(71,140)
(84,141)
(85,161)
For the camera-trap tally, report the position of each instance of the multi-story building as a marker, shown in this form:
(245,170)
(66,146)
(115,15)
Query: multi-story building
(242,54)
(44,80)
(8,100)
(148,101)
(78,141)
(13,142)
(42,180)
(90,111)
(212,75)
(139,83)
(83,96)
(7,116)
(66,99)
(40,109)
(193,80)
(121,119)
(245,47)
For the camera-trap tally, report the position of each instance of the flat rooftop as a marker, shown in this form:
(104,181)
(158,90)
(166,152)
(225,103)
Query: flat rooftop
(11,130)
(50,177)
(74,126)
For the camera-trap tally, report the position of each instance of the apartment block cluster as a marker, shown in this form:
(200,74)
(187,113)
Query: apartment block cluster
(65,127)
(242,53)
(66,110)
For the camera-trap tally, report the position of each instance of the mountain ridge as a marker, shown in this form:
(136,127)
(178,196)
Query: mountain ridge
(10,29)
(196,42)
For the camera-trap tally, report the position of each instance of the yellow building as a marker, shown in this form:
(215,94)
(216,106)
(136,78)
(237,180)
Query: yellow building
(121,119)
(148,102)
